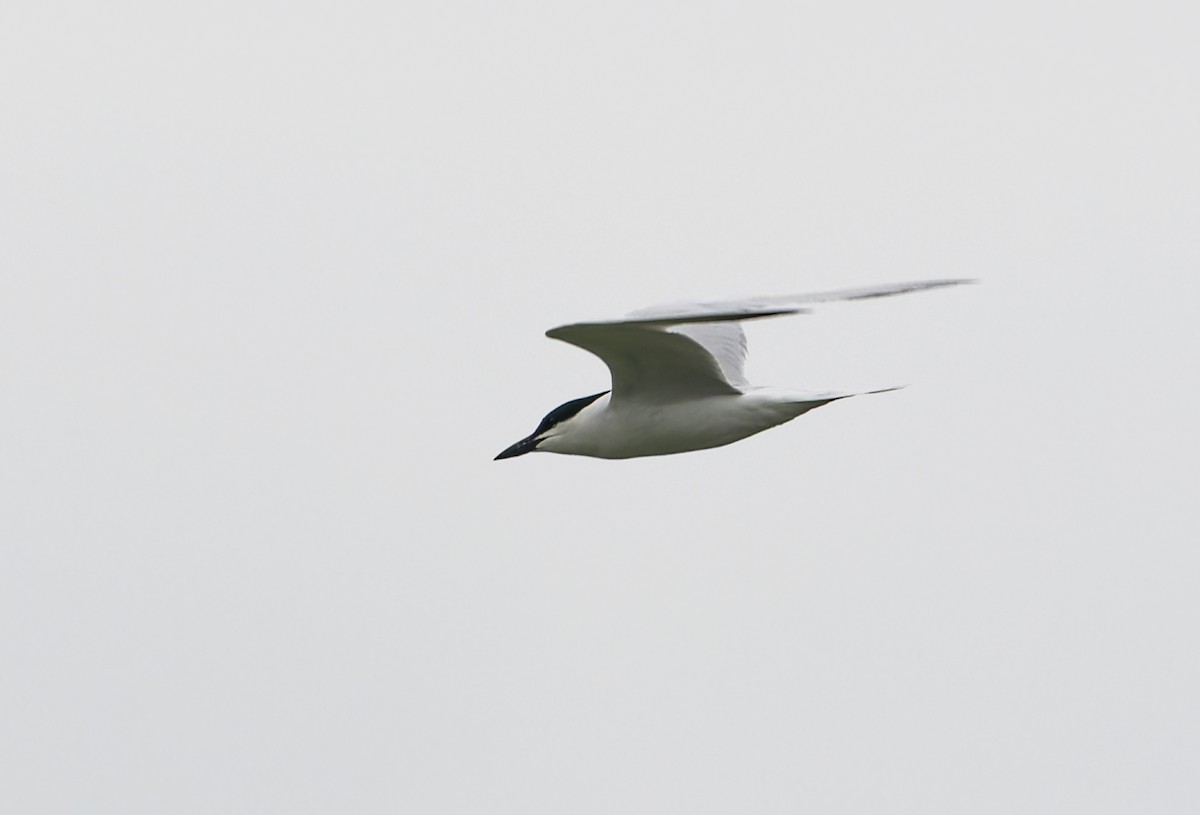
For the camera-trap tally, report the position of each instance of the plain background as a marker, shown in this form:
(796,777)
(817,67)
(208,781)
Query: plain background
(273,279)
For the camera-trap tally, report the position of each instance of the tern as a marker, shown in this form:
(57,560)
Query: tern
(677,381)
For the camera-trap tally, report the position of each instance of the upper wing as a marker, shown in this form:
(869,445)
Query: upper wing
(695,349)
(647,362)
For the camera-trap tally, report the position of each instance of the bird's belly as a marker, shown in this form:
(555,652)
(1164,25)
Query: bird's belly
(657,430)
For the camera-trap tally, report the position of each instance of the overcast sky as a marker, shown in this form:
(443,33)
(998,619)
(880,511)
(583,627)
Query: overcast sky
(273,282)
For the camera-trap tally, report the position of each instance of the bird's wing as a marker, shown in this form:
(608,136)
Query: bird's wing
(682,350)
(647,362)
(754,307)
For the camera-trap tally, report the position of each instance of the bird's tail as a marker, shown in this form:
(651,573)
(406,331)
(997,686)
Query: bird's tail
(880,390)
(807,402)
(833,396)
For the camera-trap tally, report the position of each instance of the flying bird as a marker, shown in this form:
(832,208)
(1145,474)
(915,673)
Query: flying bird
(677,382)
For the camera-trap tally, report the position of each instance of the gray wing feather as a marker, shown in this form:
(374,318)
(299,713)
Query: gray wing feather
(757,307)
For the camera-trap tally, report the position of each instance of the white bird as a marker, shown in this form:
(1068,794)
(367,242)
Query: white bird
(677,382)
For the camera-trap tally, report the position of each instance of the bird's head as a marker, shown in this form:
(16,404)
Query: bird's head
(554,424)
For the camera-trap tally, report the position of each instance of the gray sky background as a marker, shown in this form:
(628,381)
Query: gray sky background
(274,278)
